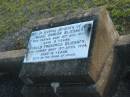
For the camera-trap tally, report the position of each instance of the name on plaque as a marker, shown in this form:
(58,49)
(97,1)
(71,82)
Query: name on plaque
(60,43)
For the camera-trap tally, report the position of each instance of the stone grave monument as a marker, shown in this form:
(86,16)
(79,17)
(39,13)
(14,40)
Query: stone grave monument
(71,57)
(76,55)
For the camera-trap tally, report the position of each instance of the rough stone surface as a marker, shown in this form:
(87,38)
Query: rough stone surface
(124,40)
(123,47)
(109,78)
(104,87)
(11,61)
(63,91)
(62,71)
(10,86)
(35,91)
(15,41)
(119,69)
(105,39)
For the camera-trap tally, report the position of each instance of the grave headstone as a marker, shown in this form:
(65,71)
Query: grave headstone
(75,64)
(73,56)
(77,56)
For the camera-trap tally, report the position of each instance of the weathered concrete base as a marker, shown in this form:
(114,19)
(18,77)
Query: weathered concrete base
(70,71)
(123,47)
(117,60)
(31,91)
(104,87)
(11,61)
(109,78)
(63,91)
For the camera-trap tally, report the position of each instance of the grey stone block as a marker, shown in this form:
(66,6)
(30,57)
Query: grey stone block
(59,71)
(81,70)
(11,61)
(63,91)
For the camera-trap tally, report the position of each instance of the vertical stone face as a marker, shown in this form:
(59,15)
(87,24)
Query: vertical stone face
(104,86)
(64,91)
(11,61)
(114,66)
(123,47)
(105,38)
(35,91)
(62,71)
(104,82)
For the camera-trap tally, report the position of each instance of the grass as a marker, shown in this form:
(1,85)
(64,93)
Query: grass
(15,13)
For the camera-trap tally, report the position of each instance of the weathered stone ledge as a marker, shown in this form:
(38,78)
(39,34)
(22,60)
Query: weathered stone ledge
(11,61)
